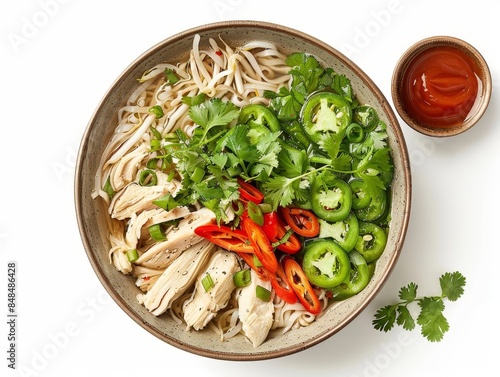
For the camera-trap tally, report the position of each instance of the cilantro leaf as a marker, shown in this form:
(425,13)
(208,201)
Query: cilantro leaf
(408,293)
(219,159)
(284,104)
(385,318)
(213,112)
(376,170)
(236,140)
(404,318)
(292,161)
(306,71)
(279,191)
(431,319)
(452,285)
(342,85)
(211,115)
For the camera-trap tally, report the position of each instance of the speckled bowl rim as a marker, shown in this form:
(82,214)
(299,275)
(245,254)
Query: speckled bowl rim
(417,48)
(281,350)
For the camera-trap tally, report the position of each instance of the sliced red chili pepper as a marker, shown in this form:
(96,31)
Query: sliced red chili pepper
(292,245)
(250,192)
(271,225)
(261,244)
(225,237)
(286,293)
(301,221)
(301,286)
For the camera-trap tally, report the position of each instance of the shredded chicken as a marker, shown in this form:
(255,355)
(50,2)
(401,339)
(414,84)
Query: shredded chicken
(177,278)
(134,198)
(204,305)
(255,314)
(180,238)
(139,224)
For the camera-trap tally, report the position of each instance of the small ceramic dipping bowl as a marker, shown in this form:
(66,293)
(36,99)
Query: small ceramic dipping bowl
(441,86)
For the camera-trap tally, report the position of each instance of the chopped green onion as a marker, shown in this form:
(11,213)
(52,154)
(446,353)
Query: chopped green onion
(152,163)
(171,136)
(171,223)
(171,176)
(155,144)
(207,282)
(109,190)
(156,232)
(132,255)
(266,207)
(148,178)
(157,111)
(156,133)
(197,174)
(170,76)
(167,202)
(284,239)
(242,278)
(193,101)
(263,293)
(256,261)
(239,211)
(255,213)
(166,164)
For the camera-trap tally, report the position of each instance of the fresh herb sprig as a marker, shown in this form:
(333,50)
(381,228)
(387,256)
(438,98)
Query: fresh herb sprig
(431,319)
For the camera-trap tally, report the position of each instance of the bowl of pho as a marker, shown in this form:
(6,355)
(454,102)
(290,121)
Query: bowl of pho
(243,190)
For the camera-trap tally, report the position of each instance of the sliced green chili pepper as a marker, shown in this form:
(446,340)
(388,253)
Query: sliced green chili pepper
(375,209)
(325,263)
(360,198)
(358,279)
(345,232)
(331,198)
(371,241)
(325,113)
(371,268)
(367,117)
(256,114)
(355,133)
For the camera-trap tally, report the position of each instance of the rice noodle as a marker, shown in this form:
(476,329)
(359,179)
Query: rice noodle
(240,75)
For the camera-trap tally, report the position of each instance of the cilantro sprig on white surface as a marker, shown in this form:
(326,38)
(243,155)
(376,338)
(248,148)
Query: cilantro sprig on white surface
(431,319)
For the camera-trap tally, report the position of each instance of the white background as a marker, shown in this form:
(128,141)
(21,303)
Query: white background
(58,58)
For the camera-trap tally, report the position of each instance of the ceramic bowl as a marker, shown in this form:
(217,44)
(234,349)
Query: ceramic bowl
(471,56)
(92,222)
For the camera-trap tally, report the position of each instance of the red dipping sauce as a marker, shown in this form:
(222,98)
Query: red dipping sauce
(440,86)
